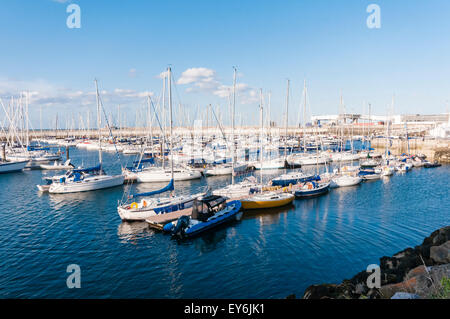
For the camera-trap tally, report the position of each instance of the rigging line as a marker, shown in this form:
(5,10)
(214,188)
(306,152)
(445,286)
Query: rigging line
(220,126)
(110,133)
(178,95)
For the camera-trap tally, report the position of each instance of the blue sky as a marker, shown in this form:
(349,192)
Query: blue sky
(127,44)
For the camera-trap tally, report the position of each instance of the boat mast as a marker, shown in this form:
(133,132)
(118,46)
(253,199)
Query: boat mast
(304,116)
(164,121)
(261,135)
(286,129)
(27,120)
(232,127)
(169,79)
(99,121)
(151,124)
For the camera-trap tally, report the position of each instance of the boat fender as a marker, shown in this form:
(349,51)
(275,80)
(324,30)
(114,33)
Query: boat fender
(134,205)
(310,186)
(168,227)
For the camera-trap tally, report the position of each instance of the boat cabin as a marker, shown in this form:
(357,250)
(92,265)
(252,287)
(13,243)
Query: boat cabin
(206,207)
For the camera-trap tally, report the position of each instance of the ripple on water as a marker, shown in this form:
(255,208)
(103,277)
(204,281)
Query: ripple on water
(268,254)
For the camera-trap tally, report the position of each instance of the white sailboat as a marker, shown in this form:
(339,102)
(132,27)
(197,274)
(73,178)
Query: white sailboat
(153,174)
(243,188)
(7,166)
(150,206)
(345,176)
(81,180)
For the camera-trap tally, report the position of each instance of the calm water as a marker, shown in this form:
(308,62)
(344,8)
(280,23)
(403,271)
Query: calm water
(268,254)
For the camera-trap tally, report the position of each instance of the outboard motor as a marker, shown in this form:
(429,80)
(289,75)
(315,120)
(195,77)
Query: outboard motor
(182,224)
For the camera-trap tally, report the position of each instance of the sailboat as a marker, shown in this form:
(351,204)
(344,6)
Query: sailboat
(149,206)
(87,179)
(8,166)
(345,176)
(32,155)
(307,159)
(243,188)
(291,178)
(156,174)
(269,199)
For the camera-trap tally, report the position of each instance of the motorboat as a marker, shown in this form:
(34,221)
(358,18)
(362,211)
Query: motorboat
(58,166)
(86,179)
(207,213)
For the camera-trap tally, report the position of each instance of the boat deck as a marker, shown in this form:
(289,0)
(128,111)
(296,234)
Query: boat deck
(158,221)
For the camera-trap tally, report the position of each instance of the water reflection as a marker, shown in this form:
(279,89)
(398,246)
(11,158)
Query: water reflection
(130,232)
(267,216)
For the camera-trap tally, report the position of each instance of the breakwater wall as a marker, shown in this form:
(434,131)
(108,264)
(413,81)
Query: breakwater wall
(434,149)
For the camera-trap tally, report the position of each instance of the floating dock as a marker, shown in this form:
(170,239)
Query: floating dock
(158,221)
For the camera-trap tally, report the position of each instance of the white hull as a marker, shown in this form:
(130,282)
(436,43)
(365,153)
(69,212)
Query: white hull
(57,166)
(343,157)
(156,176)
(218,171)
(7,167)
(34,160)
(271,164)
(88,184)
(346,181)
(370,177)
(236,190)
(146,207)
(307,160)
(225,170)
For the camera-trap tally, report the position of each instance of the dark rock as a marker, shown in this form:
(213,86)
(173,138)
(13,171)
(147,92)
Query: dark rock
(441,254)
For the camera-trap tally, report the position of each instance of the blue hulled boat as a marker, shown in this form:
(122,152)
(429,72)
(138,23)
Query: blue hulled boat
(293,178)
(207,212)
(311,189)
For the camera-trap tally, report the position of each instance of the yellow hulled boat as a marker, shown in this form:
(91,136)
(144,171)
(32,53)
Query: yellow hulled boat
(268,200)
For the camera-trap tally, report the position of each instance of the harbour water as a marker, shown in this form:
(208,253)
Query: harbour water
(268,254)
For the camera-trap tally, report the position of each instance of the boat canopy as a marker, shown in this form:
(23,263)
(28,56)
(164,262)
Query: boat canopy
(88,169)
(37,148)
(167,188)
(146,160)
(204,208)
(138,165)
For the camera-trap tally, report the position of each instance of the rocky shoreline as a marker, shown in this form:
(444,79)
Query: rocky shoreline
(420,272)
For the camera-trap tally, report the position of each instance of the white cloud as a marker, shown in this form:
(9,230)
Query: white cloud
(43,93)
(201,76)
(206,80)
